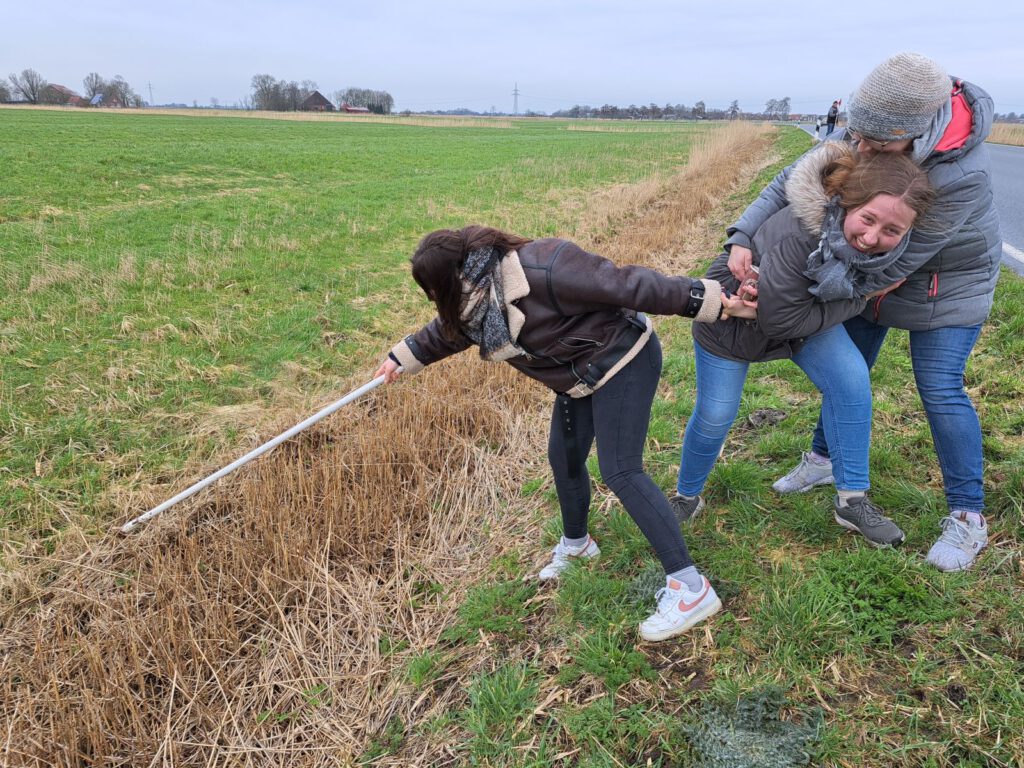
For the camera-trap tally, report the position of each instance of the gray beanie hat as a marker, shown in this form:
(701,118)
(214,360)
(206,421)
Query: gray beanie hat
(900,97)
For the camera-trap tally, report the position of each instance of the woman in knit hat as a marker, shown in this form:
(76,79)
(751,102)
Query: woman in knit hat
(909,104)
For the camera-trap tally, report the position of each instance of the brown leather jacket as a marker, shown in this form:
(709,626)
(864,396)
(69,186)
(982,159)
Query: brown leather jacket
(582,323)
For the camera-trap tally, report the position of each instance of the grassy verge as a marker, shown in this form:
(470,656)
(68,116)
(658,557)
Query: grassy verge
(827,651)
(363,595)
(167,281)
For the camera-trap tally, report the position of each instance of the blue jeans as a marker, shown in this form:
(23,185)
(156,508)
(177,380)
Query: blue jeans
(617,415)
(835,366)
(939,358)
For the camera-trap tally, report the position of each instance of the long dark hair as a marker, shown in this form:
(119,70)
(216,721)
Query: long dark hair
(437,263)
(857,178)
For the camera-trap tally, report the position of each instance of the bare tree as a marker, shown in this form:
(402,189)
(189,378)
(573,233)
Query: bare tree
(699,110)
(93,84)
(118,92)
(380,102)
(266,92)
(29,84)
(5,92)
(734,109)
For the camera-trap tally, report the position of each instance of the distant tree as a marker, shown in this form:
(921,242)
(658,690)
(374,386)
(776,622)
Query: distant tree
(699,111)
(93,84)
(30,84)
(214,102)
(266,92)
(118,91)
(5,92)
(279,95)
(734,109)
(777,109)
(380,102)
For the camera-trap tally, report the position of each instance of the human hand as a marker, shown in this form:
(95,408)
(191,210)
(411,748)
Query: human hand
(748,290)
(887,289)
(733,306)
(740,260)
(390,370)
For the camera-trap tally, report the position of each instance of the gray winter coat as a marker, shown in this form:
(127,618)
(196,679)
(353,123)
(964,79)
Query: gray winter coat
(951,262)
(787,313)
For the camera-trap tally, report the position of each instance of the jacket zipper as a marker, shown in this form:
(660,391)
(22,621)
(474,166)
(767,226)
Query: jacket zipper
(933,287)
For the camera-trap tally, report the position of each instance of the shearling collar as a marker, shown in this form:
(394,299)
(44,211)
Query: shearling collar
(804,188)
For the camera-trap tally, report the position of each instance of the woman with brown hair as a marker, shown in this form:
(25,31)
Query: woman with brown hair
(853,216)
(573,321)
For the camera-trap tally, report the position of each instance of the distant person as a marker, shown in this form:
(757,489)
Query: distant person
(571,320)
(819,258)
(832,116)
(908,104)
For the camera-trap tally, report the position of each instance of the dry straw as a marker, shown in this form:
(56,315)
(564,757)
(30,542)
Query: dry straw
(259,624)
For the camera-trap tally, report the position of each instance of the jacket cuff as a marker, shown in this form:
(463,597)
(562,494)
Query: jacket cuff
(711,309)
(738,238)
(403,354)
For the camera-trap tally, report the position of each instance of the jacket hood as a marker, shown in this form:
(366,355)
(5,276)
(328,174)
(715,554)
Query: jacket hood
(982,116)
(804,189)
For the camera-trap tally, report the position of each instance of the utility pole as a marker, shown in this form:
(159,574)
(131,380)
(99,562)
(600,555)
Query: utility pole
(150,93)
(515,101)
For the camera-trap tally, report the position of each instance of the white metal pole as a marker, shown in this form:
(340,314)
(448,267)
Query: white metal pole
(255,453)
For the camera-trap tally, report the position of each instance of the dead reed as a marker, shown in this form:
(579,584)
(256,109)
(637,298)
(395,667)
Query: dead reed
(269,622)
(1007,133)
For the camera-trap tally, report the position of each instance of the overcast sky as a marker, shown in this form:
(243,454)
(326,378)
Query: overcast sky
(444,54)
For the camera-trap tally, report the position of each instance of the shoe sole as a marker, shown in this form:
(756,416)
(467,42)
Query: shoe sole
(695,618)
(876,544)
(804,489)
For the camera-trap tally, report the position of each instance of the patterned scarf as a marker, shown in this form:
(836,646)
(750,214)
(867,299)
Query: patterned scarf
(485,307)
(839,270)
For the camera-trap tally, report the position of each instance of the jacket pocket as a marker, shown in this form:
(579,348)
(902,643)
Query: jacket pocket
(578,343)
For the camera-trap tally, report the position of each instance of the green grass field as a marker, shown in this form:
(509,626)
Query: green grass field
(157,271)
(166,281)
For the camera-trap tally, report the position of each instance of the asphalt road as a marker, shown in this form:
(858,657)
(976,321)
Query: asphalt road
(1008,188)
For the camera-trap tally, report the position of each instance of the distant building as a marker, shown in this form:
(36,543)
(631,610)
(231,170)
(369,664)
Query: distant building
(346,107)
(60,94)
(316,102)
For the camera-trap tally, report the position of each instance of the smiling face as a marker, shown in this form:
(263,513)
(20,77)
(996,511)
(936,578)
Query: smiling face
(879,224)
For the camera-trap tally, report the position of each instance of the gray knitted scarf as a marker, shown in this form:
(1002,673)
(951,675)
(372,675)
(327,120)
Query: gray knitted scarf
(483,315)
(839,270)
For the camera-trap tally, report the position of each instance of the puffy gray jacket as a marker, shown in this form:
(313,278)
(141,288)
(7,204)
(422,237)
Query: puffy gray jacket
(952,263)
(787,313)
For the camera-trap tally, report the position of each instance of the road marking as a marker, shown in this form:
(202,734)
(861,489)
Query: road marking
(1014,254)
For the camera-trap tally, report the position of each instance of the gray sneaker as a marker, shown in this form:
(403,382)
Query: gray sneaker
(961,541)
(865,518)
(808,473)
(686,509)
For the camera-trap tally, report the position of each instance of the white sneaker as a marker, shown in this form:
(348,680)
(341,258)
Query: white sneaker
(562,555)
(961,541)
(679,609)
(807,474)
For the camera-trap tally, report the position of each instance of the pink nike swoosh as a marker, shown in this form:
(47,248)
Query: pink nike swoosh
(684,606)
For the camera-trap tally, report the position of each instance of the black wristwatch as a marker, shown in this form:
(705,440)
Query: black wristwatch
(696,300)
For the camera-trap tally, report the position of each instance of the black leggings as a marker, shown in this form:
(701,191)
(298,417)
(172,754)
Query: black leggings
(618,415)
